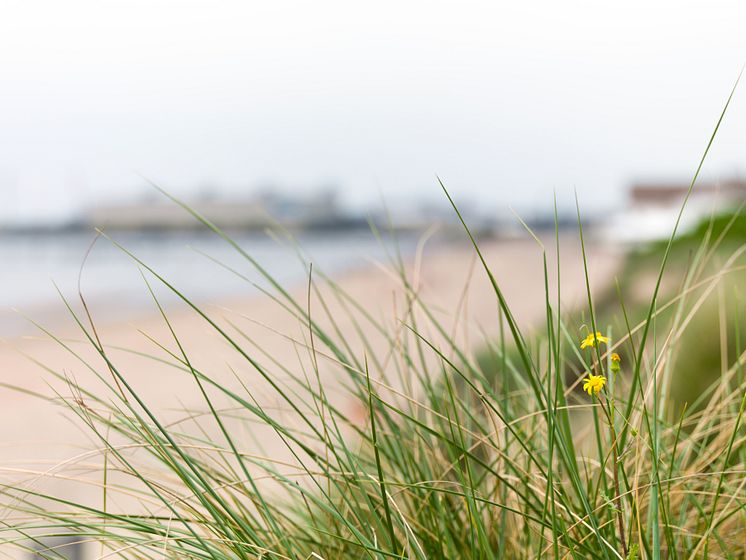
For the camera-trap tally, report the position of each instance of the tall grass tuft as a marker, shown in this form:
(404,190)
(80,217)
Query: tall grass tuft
(447,458)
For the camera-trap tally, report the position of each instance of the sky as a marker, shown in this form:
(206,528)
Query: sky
(507,102)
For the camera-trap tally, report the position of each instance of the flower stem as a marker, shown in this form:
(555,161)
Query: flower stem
(617,494)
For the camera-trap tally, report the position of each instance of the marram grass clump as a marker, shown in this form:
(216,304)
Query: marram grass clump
(445,462)
(444,459)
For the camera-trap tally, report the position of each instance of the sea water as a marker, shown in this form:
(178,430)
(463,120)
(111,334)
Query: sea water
(39,269)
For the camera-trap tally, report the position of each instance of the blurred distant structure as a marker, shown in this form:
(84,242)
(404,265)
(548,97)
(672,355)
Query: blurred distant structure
(663,195)
(320,210)
(419,215)
(150,215)
(652,208)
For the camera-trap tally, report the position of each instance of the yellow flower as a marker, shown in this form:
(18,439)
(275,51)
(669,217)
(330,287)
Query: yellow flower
(593,384)
(591,340)
(615,361)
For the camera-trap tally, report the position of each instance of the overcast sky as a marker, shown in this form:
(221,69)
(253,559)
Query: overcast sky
(504,100)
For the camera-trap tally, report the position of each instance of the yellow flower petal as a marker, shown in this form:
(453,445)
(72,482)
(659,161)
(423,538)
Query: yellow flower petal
(594,384)
(592,339)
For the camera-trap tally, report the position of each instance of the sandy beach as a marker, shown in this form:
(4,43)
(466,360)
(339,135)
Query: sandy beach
(40,437)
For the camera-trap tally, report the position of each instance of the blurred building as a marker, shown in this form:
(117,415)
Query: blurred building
(652,208)
(721,194)
(319,210)
(149,215)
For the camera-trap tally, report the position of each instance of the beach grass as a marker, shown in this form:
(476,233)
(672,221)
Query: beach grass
(454,454)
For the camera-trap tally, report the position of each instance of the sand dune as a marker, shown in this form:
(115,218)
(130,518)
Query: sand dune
(38,436)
